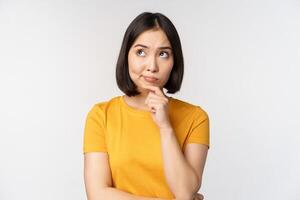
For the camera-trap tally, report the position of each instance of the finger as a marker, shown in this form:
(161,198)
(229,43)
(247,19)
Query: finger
(200,196)
(151,95)
(196,198)
(157,98)
(155,89)
(159,103)
(154,105)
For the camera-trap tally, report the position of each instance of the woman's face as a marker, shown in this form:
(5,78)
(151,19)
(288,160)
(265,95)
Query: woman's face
(150,59)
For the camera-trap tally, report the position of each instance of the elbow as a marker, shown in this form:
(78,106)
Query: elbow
(197,181)
(97,193)
(186,194)
(198,184)
(188,191)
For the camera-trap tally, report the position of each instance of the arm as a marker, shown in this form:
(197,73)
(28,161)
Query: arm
(183,175)
(98,181)
(183,171)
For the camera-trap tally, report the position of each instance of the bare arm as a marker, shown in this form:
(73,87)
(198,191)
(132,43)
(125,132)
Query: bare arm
(183,171)
(98,180)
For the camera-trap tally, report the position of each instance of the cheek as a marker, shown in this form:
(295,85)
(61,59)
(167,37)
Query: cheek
(136,69)
(135,66)
(134,72)
(167,71)
(168,67)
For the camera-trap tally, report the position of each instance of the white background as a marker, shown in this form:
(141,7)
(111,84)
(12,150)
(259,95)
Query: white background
(242,65)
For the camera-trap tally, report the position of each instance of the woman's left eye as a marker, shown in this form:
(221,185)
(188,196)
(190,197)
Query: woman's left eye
(166,53)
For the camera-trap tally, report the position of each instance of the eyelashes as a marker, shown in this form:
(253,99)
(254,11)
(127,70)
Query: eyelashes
(139,51)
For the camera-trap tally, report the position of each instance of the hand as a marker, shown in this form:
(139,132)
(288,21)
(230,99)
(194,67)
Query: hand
(198,196)
(158,105)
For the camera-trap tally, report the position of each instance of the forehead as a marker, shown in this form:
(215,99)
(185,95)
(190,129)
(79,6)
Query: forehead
(153,38)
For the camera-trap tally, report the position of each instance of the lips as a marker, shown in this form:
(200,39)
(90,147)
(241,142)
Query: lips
(150,79)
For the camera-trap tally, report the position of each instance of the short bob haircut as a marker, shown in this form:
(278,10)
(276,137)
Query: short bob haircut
(143,22)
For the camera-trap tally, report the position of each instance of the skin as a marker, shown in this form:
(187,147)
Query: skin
(146,58)
(149,61)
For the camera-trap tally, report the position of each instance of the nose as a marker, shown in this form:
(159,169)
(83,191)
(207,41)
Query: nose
(152,64)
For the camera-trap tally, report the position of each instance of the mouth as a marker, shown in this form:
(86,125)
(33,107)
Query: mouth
(150,79)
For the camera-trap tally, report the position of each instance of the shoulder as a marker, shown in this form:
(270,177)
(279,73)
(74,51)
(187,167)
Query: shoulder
(183,107)
(101,107)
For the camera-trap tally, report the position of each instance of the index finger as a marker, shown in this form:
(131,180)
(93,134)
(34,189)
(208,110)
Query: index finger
(155,89)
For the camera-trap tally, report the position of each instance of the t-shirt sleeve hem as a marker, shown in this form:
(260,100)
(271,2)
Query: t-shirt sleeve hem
(198,142)
(94,150)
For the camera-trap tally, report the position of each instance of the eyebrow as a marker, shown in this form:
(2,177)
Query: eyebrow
(141,45)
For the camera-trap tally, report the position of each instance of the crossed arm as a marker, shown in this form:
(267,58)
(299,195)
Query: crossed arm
(183,171)
(98,180)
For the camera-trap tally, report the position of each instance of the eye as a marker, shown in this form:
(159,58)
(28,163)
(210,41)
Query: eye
(166,54)
(139,52)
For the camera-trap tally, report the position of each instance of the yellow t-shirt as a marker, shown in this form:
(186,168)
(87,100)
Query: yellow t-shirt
(132,140)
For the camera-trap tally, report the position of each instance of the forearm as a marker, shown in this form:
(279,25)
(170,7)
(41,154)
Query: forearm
(180,176)
(110,193)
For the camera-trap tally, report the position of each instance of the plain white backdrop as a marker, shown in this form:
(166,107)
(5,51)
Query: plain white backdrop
(242,65)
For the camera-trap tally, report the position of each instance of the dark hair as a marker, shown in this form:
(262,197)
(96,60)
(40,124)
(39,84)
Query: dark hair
(143,22)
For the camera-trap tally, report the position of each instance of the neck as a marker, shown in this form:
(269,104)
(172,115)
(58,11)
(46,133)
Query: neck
(138,101)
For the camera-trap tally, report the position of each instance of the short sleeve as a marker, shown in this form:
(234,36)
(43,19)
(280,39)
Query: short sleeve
(94,131)
(199,131)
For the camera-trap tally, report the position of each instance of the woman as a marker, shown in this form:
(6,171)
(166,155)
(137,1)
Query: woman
(144,144)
